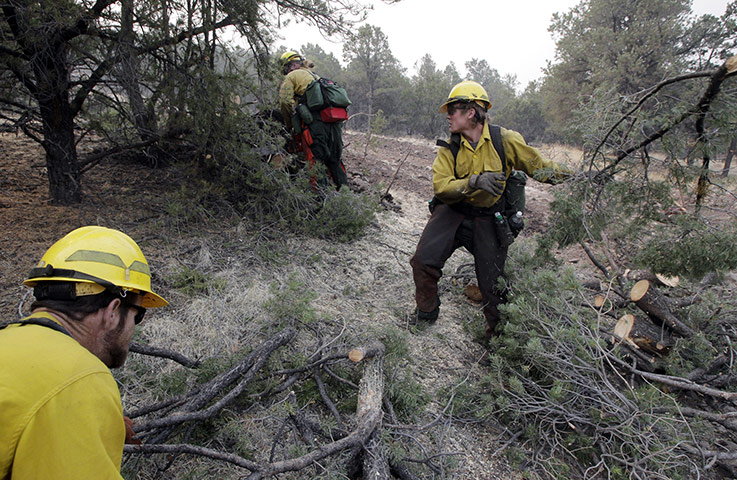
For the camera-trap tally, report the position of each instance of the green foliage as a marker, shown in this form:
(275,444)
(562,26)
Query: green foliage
(395,344)
(325,63)
(343,216)
(191,281)
(213,366)
(236,175)
(407,395)
(688,354)
(371,74)
(525,114)
(567,222)
(500,90)
(611,46)
(427,90)
(291,302)
(550,377)
(691,251)
(379,123)
(174,383)
(238,436)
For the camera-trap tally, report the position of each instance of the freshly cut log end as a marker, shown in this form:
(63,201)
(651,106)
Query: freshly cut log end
(356,355)
(599,301)
(650,301)
(639,290)
(643,335)
(668,281)
(623,326)
(731,64)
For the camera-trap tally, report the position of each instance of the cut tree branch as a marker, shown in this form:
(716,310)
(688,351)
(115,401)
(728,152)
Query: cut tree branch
(716,78)
(163,353)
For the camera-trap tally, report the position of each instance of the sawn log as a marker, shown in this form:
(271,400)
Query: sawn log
(652,302)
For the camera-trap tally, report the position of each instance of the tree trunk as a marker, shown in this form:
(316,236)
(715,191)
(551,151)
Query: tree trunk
(57,116)
(370,105)
(730,154)
(143,119)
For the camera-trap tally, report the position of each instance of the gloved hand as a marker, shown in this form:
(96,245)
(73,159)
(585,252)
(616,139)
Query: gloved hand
(489,182)
(129,433)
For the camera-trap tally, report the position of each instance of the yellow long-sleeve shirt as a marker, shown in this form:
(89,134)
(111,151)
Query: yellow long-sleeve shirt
(450,177)
(294,85)
(60,410)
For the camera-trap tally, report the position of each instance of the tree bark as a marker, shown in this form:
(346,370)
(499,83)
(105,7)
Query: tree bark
(730,154)
(57,116)
(127,73)
(370,395)
(703,107)
(163,353)
(650,301)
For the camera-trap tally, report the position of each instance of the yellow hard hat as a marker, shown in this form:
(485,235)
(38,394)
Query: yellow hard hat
(97,258)
(467,91)
(289,56)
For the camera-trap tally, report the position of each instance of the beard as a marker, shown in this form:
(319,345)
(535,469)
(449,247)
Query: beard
(115,345)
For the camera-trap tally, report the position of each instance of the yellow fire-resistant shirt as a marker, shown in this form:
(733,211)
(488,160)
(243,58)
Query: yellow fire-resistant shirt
(294,85)
(60,410)
(450,178)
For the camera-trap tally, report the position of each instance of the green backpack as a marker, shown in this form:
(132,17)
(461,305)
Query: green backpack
(323,93)
(514,192)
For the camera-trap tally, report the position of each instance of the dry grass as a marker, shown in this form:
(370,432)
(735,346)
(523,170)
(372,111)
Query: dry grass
(361,289)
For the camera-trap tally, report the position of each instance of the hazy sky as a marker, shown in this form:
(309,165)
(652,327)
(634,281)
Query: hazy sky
(511,35)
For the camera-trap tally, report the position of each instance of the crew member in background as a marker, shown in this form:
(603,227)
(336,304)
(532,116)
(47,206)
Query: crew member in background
(468,187)
(60,410)
(314,137)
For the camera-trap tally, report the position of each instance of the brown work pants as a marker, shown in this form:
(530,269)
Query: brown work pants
(447,230)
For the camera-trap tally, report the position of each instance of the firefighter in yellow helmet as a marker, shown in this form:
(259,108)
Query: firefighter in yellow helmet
(315,138)
(470,177)
(60,408)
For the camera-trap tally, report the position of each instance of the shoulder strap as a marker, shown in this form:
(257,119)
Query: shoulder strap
(44,322)
(496,139)
(454,144)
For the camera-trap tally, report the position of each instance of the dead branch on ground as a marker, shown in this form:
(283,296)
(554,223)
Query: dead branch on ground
(364,435)
(391,182)
(194,406)
(163,353)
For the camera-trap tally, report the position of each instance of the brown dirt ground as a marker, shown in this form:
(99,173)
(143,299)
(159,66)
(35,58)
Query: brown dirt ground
(129,197)
(116,195)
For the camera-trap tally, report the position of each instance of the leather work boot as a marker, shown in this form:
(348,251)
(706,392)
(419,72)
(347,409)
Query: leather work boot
(419,317)
(490,333)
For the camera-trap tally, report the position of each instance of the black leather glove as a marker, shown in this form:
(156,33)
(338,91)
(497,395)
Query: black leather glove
(488,182)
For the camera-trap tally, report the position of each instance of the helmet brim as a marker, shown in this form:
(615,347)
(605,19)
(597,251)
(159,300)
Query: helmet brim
(149,300)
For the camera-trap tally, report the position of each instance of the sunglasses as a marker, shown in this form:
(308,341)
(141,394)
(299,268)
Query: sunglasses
(140,312)
(453,107)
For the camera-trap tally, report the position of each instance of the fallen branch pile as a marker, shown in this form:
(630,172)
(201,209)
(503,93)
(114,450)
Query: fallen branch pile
(359,438)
